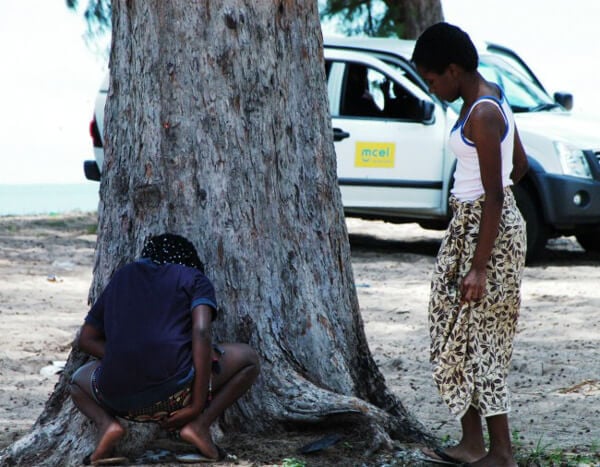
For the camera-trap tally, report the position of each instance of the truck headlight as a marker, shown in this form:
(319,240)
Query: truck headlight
(572,160)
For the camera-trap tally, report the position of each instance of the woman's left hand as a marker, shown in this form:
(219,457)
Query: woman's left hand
(179,418)
(472,287)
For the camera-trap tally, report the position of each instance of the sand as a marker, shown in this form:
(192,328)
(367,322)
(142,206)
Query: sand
(46,270)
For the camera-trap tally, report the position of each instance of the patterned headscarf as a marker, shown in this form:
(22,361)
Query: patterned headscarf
(174,249)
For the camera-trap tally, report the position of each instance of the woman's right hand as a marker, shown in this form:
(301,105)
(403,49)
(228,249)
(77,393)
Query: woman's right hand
(472,287)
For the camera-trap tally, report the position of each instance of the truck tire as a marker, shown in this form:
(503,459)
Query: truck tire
(589,240)
(537,232)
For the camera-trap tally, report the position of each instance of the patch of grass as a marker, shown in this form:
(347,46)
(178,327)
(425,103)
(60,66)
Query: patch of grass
(539,452)
(293,462)
(65,223)
(543,455)
(57,224)
(11,228)
(92,229)
(517,440)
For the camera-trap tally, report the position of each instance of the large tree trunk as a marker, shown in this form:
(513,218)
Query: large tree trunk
(414,16)
(419,15)
(217,128)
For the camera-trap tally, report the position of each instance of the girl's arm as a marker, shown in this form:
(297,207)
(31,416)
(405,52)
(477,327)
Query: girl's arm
(520,164)
(91,341)
(202,357)
(486,127)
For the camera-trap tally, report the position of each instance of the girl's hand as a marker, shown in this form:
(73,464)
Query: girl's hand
(179,418)
(472,287)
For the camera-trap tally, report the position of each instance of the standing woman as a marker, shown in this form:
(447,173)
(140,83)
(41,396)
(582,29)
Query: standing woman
(475,290)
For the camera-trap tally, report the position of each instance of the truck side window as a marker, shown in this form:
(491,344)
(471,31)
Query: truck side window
(369,93)
(358,99)
(399,103)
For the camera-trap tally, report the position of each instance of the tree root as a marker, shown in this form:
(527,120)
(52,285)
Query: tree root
(301,402)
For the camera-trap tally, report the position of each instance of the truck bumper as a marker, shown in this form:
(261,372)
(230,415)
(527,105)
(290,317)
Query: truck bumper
(91,171)
(570,201)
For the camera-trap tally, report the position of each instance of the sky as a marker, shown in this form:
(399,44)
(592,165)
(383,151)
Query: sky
(557,38)
(49,78)
(48,84)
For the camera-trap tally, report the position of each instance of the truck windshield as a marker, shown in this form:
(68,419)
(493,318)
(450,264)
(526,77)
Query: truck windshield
(522,93)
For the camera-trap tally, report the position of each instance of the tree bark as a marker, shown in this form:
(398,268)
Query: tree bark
(217,128)
(419,15)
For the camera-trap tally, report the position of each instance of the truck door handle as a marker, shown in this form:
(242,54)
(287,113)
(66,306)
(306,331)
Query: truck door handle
(339,134)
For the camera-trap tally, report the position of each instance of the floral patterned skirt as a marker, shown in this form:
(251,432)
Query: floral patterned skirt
(471,343)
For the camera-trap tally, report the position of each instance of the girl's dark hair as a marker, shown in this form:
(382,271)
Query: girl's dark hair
(443,44)
(172,248)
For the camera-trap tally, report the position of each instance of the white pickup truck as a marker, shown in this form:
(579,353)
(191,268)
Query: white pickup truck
(391,134)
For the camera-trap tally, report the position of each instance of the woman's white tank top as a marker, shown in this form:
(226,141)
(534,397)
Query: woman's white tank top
(467,177)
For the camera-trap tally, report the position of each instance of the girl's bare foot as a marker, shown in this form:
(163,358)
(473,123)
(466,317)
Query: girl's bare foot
(466,453)
(496,461)
(457,454)
(109,437)
(200,437)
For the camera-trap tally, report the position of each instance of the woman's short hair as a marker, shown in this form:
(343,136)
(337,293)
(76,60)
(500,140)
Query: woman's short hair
(172,248)
(442,44)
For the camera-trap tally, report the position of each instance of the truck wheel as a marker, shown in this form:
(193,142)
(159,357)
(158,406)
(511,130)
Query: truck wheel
(537,234)
(590,241)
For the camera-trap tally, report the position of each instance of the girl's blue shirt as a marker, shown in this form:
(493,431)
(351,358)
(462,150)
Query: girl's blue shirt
(145,313)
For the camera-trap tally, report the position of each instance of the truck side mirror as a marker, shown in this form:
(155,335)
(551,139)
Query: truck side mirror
(565,99)
(428,115)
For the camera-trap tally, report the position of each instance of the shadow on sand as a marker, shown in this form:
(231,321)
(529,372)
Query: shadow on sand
(559,252)
(364,243)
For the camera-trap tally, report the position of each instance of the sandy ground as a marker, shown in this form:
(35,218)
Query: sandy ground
(46,269)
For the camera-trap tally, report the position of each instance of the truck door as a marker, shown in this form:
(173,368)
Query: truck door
(389,139)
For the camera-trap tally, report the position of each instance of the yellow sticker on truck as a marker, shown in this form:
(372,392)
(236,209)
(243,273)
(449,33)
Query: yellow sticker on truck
(375,155)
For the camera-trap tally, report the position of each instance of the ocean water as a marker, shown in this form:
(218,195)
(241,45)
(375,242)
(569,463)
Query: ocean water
(25,199)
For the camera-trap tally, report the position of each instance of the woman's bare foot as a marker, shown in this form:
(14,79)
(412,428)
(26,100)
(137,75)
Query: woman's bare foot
(200,437)
(495,460)
(466,453)
(456,454)
(109,437)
